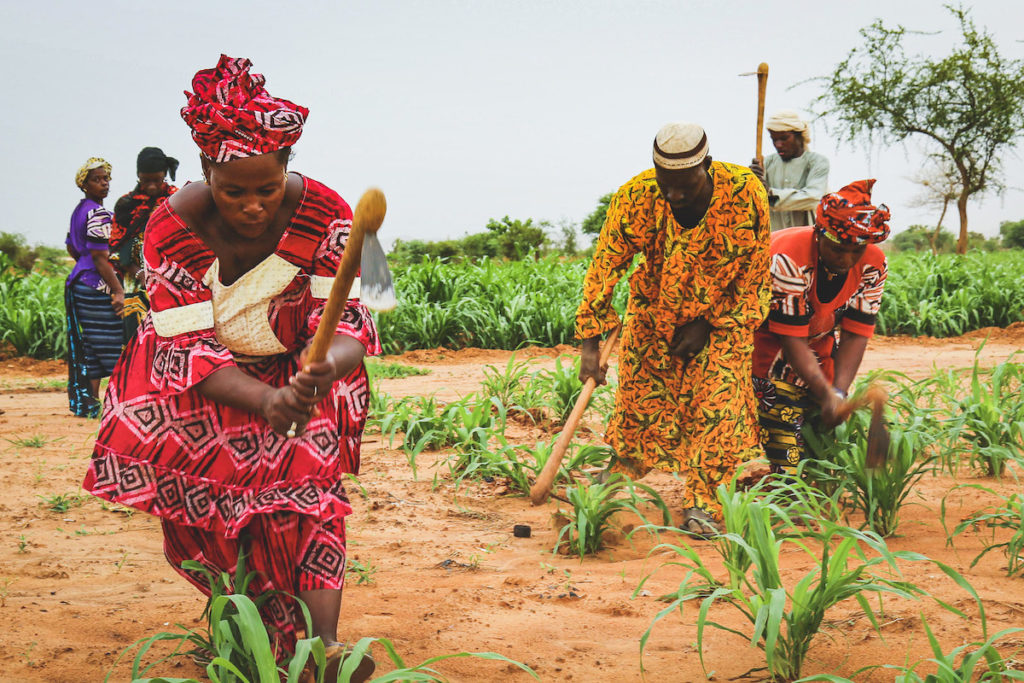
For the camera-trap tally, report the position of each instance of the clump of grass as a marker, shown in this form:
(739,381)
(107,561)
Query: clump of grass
(594,507)
(839,466)
(1009,515)
(62,502)
(236,643)
(380,407)
(362,571)
(992,417)
(962,664)
(34,441)
(785,616)
(378,369)
(421,421)
(563,387)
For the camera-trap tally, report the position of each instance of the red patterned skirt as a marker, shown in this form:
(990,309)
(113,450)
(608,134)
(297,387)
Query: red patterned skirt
(220,478)
(288,552)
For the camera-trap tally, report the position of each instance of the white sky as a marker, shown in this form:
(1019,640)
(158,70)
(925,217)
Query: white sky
(459,110)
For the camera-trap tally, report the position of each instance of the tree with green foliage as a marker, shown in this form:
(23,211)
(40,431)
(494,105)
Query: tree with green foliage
(968,105)
(517,238)
(923,238)
(14,246)
(593,223)
(1012,233)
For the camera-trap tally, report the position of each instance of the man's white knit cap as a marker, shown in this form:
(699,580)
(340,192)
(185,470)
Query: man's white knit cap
(680,144)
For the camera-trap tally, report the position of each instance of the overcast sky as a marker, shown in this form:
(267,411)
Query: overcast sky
(460,111)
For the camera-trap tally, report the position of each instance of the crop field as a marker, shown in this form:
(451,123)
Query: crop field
(504,305)
(864,576)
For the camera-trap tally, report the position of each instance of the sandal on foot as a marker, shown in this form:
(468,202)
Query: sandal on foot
(699,523)
(200,656)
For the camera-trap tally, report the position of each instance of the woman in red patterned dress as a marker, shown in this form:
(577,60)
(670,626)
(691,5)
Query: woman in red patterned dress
(197,413)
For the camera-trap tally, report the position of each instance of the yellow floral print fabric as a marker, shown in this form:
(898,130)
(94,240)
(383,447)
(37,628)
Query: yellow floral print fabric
(697,418)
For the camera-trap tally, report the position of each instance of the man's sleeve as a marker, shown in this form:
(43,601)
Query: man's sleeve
(612,255)
(745,300)
(804,198)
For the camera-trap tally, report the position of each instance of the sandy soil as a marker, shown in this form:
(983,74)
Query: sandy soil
(77,587)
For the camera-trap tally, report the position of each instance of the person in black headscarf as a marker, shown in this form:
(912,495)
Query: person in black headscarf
(131,212)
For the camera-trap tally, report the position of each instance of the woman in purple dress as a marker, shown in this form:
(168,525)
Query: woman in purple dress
(93,295)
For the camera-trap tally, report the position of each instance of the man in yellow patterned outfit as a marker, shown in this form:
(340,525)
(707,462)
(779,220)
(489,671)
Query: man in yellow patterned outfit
(685,401)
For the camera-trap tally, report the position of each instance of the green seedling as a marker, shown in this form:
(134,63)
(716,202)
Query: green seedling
(237,645)
(362,571)
(62,502)
(1008,515)
(377,369)
(34,441)
(594,507)
(839,466)
(784,615)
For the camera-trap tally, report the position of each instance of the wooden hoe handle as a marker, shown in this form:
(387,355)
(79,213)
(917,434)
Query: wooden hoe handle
(542,487)
(762,85)
(368,216)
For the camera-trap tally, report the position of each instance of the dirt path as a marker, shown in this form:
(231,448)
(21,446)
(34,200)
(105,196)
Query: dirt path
(78,585)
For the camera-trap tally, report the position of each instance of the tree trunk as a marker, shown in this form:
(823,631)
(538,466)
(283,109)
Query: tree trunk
(961,205)
(938,228)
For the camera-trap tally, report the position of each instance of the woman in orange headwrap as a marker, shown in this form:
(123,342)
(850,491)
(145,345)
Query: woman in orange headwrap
(196,421)
(827,283)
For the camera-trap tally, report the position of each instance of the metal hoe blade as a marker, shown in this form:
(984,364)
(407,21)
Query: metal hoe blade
(376,290)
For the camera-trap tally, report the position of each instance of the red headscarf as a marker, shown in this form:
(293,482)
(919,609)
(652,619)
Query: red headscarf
(849,216)
(233,116)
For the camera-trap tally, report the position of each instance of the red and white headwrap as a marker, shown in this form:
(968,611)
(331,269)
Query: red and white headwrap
(848,216)
(233,116)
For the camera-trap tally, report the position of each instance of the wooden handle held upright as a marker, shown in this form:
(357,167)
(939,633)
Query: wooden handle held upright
(762,85)
(542,487)
(368,216)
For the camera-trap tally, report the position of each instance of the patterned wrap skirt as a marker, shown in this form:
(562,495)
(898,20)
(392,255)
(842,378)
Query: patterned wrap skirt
(782,411)
(95,341)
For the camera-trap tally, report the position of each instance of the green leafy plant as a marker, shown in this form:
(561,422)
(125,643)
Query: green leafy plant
(32,311)
(563,387)
(381,404)
(5,587)
(238,647)
(34,441)
(378,369)
(511,385)
(1008,515)
(62,502)
(504,305)
(785,616)
(595,505)
(422,423)
(362,571)
(992,416)
(839,466)
(962,664)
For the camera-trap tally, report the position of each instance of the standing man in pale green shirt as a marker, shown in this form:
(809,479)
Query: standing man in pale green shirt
(795,177)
